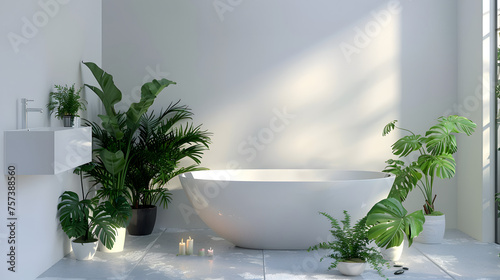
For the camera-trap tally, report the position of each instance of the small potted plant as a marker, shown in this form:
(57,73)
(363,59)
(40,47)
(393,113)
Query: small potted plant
(87,219)
(350,248)
(435,159)
(66,102)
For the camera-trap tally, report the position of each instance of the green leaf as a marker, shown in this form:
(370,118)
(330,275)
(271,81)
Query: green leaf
(114,162)
(389,127)
(74,215)
(460,124)
(389,223)
(407,144)
(149,91)
(120,210)
(442,166)
(440,137)
(414,224)
(103,226)
(108,93)
(112,126)
(407,178)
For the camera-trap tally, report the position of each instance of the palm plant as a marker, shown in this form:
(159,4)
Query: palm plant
(435,158)
(350,244)
(158,148)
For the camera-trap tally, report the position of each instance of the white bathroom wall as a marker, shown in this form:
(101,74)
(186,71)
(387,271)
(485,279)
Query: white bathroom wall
(475,172)
(42,43)
(291,83)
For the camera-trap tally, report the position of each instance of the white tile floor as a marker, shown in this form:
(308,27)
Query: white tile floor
(154,257)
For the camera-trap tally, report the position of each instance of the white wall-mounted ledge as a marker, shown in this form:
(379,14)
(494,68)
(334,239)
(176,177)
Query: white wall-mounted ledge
(47,150)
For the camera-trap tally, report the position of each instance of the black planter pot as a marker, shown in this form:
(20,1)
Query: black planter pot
(143,220)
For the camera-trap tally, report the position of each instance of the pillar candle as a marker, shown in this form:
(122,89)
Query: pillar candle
(210,252)
(189,246)
(182,247)
(201,253)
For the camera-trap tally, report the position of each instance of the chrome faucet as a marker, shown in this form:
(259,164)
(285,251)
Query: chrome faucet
(26,110)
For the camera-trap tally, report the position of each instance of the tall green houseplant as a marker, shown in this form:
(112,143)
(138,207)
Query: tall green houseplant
(435,159)
(113,137)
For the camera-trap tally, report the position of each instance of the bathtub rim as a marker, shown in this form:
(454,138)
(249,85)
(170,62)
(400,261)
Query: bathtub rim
(384,177)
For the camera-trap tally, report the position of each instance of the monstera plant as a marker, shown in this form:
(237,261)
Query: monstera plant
(434,159)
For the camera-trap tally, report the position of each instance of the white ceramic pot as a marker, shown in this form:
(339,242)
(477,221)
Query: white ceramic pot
(84,251)
(393,253)
(121,233)
(351,268)
(433,231)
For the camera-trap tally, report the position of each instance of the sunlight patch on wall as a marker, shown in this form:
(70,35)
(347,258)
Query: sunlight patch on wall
(336,105)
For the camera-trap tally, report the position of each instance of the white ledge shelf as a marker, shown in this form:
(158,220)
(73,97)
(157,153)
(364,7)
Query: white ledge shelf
(47,150)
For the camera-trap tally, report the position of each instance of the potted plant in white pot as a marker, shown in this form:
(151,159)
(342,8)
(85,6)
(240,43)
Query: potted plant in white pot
(66,102)
(435,159)
(87,221)
(113,138)
(350,248)
(157,151)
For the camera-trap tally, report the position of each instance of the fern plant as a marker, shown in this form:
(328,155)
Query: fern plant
(351,244)
(66,101)
(435,158)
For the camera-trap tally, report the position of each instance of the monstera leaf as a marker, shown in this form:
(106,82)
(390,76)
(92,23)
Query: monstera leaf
(440,139)
(389,223)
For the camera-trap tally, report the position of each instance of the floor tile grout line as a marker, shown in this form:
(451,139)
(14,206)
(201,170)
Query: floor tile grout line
(436,264)
(264,264)
(146,251)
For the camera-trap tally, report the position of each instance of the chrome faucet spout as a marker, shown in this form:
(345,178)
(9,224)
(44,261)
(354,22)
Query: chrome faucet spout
(40,110)
(26,110)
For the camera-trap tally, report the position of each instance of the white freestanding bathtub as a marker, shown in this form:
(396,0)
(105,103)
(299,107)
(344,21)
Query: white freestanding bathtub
(278,208)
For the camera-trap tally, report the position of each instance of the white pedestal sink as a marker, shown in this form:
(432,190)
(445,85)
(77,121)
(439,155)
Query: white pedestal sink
(47,150)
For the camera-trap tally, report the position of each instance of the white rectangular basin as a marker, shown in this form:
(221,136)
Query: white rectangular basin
(47,150)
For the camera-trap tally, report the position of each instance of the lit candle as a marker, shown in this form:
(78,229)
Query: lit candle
(210,252)
(182,247)
(201,252)
(189,246)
